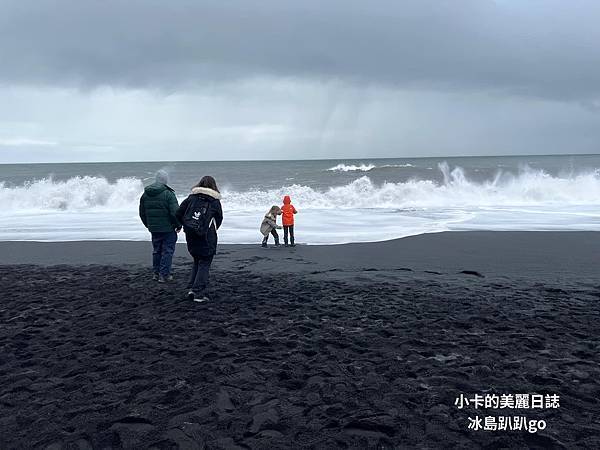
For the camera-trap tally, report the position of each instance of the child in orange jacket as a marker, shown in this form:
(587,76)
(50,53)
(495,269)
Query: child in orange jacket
(288,211)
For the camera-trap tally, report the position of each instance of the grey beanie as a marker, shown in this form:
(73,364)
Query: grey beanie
(162,176)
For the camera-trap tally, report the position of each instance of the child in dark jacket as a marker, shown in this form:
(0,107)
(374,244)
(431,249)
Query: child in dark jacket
(269,225)
(288,212)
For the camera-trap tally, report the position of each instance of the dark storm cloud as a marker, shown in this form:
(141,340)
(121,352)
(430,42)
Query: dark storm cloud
(534,48)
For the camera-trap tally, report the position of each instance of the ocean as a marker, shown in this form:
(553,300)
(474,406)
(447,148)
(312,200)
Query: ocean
(338,201)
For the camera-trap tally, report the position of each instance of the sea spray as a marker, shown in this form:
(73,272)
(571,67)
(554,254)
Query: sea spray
(529,187)
(74,194)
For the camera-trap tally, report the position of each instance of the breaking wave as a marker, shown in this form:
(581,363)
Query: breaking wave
(530,188)
(76,194)
(365,167)
(351,168)
(527,188)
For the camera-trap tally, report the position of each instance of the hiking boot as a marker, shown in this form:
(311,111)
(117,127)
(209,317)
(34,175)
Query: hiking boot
(190,295)
(292,245)
(264,245)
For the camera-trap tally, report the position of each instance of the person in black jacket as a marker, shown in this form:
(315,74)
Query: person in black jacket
(205,196)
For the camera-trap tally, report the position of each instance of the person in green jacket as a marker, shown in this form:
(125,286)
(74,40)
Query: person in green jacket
(158,206)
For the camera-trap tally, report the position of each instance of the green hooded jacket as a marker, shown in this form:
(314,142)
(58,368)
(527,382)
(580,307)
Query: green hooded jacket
(158,206)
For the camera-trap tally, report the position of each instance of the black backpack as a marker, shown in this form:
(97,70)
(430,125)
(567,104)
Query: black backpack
(197,218)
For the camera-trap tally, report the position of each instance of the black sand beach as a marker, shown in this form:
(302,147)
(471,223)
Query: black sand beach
(353,346)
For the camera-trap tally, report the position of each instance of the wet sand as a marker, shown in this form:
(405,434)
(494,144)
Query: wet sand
(354,346)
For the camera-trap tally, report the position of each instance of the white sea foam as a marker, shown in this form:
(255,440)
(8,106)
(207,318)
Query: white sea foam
(392,166)
(74,194)
(94,208)
(365,167)
(351,168)
(528,188)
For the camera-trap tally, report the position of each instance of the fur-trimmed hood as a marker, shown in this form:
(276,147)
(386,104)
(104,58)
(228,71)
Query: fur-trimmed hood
(206,191)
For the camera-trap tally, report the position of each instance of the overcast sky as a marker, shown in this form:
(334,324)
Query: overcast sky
(105,80)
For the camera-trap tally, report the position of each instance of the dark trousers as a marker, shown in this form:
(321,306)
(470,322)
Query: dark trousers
(163,244)
(275,236)
(199,277)
(288,229)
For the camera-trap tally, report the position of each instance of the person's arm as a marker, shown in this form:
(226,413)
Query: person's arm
(173,206)
(142,211)
(181,210)
(218,214)
(294,209)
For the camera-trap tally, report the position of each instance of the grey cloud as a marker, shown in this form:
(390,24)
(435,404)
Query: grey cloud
(274,119)
(537,48)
